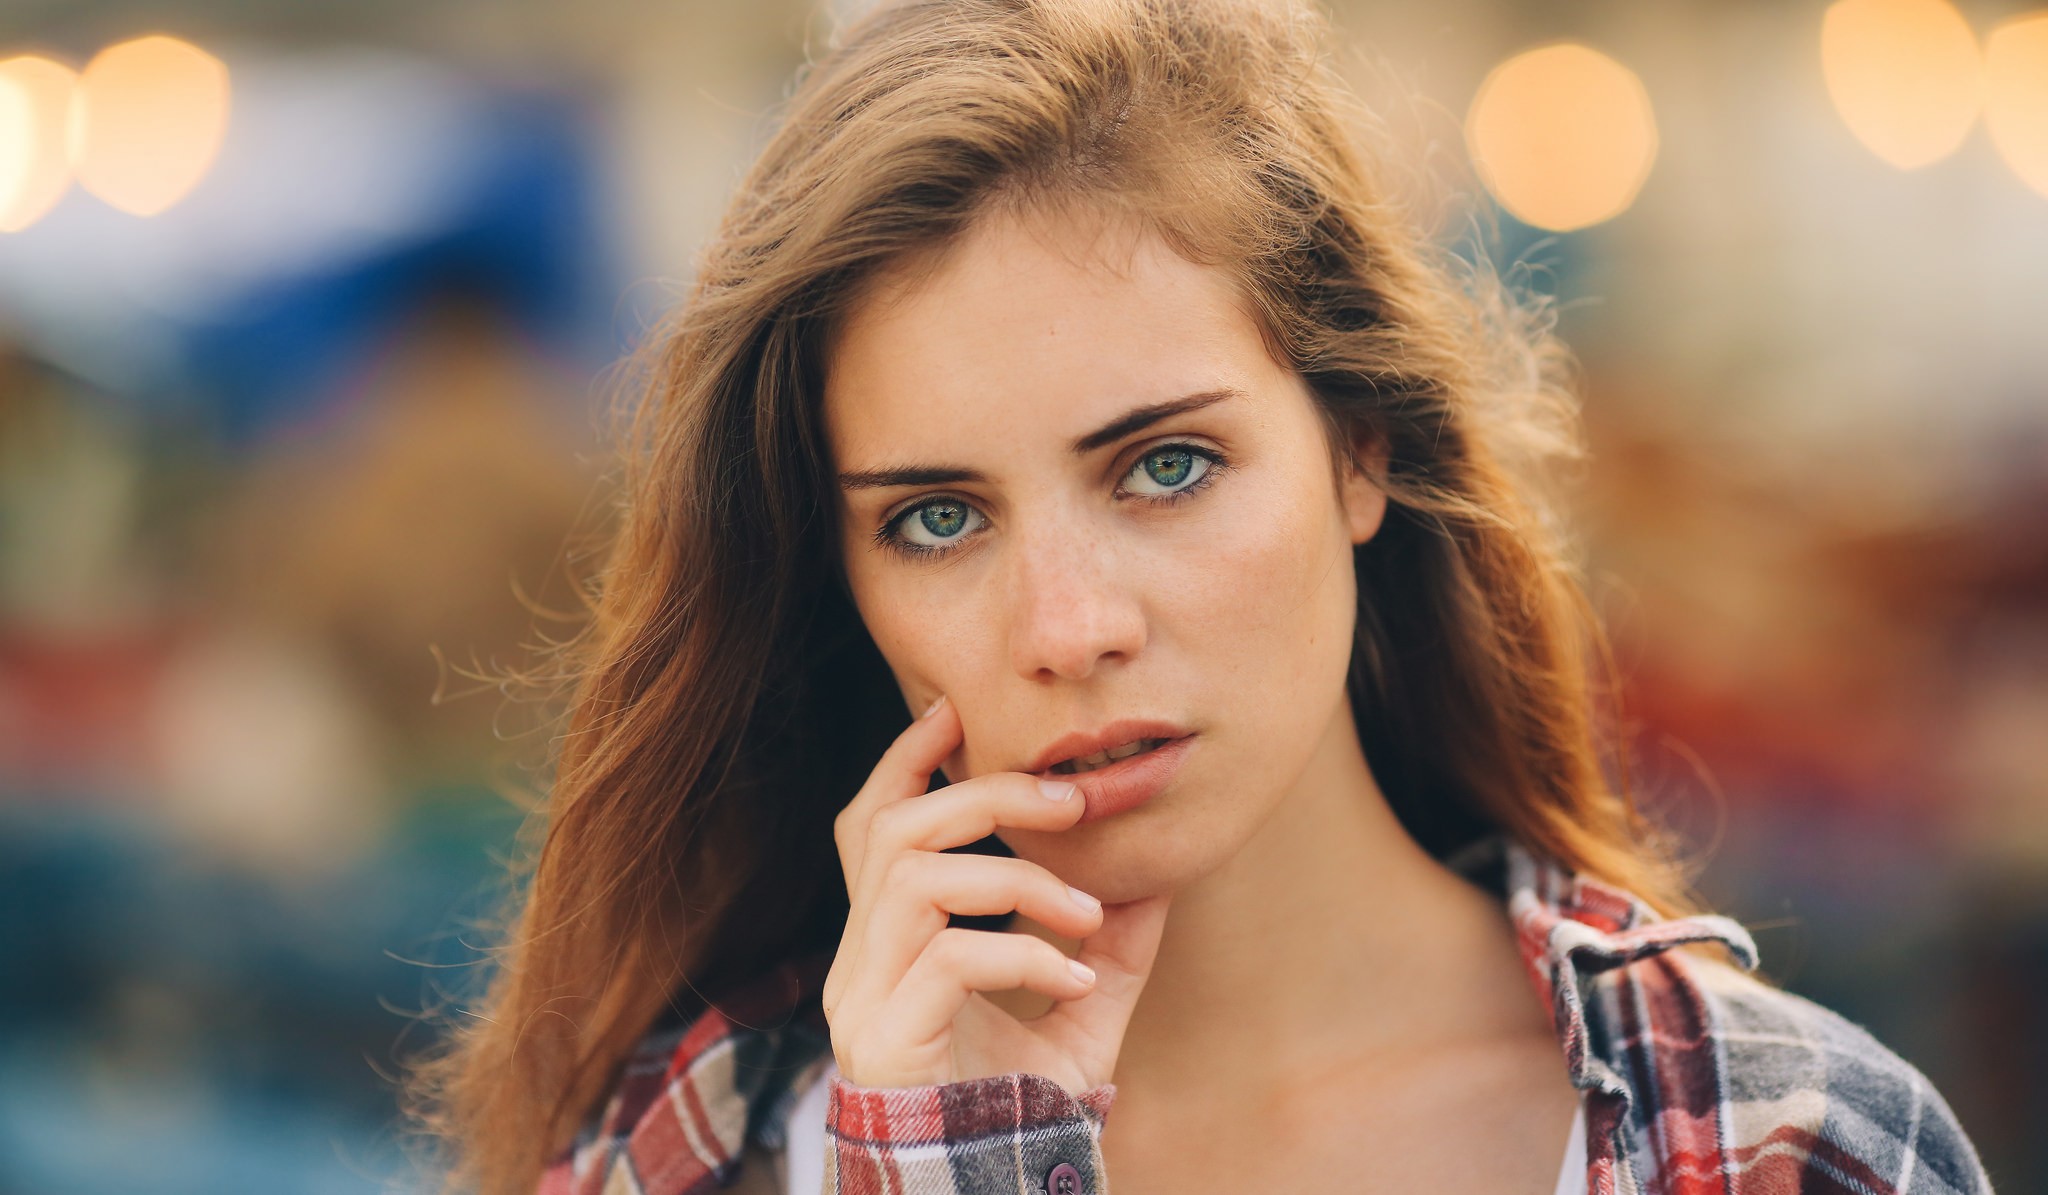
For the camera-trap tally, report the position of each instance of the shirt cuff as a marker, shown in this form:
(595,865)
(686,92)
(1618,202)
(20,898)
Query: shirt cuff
(1011,1132)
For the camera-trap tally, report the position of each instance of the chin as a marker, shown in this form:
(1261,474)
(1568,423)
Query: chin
(1118,859)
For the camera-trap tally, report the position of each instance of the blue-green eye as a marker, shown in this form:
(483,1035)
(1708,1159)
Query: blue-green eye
(943,519)
(1169,466)
(949,521)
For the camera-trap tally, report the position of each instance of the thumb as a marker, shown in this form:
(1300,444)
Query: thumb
(1122,953)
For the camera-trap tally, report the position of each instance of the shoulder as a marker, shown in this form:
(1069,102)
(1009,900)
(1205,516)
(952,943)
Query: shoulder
(706,1092)
(1698,1072)
(1746,1079)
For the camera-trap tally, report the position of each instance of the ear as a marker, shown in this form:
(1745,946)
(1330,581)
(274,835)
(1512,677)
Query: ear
(1365,504)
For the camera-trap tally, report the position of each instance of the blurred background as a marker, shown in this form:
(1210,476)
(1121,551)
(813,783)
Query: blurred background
(306,315)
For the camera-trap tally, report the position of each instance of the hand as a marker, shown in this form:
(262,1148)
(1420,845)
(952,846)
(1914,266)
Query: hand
(903,995)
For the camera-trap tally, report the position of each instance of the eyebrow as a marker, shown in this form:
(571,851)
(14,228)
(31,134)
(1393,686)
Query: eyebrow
(1134,420)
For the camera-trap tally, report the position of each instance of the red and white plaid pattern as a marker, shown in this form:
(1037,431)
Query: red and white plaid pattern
(1696,1077)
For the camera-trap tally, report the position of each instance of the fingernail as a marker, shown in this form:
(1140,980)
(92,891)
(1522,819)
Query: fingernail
(933,708)
(1055,790)
(1081,970)
(1083,899)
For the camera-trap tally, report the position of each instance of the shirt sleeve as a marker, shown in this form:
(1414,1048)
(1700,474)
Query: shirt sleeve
(1003,1133)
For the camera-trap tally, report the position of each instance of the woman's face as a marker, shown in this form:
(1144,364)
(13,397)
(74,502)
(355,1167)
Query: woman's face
(1058,588)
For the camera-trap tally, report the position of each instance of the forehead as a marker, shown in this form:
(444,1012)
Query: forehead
(1030,325)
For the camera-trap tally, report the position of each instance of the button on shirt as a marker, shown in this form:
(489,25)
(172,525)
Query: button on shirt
(1685,1065)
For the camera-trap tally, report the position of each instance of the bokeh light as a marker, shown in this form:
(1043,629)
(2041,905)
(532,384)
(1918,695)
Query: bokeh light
(148,121)
(300,479)
(1562,135)
(17,125)
(35,163)
(2016,96)
(1905,75)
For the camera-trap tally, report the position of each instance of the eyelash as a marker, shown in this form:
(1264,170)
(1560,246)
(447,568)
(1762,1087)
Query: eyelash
(887,537)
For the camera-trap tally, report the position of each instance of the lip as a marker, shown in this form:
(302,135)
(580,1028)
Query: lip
(1130,782)
(1087,742)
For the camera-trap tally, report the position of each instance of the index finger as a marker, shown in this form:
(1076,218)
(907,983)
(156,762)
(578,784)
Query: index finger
(905,770)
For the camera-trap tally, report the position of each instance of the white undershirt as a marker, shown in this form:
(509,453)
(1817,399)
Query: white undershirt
(806,1155)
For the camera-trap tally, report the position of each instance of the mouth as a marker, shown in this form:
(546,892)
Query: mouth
(1080,752)
(1118,766)
(1125,776)
(1102,759)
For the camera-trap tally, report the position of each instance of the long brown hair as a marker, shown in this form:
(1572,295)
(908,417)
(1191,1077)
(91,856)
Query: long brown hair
(725,700)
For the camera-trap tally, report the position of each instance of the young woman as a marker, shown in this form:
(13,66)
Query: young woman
(1063,373)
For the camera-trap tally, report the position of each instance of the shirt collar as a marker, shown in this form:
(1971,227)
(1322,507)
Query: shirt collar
(1571,927)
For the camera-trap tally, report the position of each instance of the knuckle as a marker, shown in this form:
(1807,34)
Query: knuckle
(886,826)
(952,945)
(1039,959)
(1049,956)
(1012,879)
(904,874)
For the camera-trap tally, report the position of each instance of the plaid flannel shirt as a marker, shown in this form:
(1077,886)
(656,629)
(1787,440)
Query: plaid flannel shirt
(1695,1077)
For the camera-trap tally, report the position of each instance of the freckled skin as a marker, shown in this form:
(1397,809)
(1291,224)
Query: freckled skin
(1388,1007)
(1064,606)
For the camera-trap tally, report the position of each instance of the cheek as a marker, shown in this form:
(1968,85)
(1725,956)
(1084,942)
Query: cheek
(930,647)
(1275,579)
(922,638)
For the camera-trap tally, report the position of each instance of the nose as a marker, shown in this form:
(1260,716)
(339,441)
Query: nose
(1075,600)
